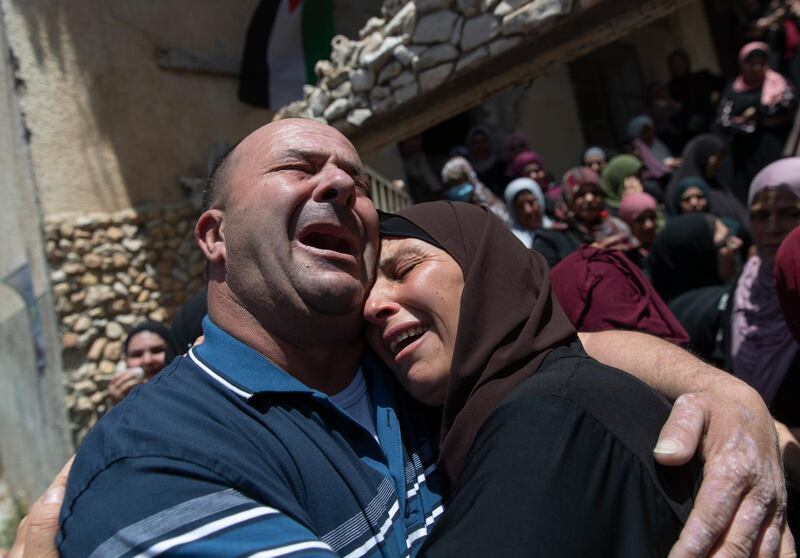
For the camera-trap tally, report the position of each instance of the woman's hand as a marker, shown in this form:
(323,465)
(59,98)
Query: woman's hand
(123,382)
(613,242)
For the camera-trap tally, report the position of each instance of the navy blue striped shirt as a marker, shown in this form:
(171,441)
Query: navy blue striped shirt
(224,454)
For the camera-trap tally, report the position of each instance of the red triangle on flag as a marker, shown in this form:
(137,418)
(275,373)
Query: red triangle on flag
(294,4)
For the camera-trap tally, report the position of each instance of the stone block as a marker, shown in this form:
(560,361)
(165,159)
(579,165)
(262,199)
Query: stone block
(114,330)
(342,91)
(133,244)
(503,44)
(318,101)
(425,6)
(373,24)
(472,59)
(455,36)
(358,116)
(96,350)
(113,351)
(390,71)
(377,58)
(405,93)
(69,340)
(434,56)
(403,79)
(478,31)
(435,27)
(88,279)
(381,92)
(341,50)
(403,21)
(362,80)
(92,261)
(433,78)
(533,15)
(468,7)
(406,55)
(336,109)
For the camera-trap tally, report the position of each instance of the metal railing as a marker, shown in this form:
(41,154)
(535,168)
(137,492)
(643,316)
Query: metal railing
(385,196)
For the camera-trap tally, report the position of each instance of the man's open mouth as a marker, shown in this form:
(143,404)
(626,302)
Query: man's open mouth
(329,238)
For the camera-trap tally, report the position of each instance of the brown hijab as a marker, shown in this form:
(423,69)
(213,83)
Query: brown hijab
(509,320)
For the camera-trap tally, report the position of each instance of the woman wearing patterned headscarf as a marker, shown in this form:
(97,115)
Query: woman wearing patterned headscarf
(587,221)
(756,111)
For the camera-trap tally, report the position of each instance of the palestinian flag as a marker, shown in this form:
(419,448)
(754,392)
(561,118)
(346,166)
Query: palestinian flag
(284,41)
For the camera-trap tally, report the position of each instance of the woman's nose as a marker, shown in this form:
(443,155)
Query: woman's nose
(379,305)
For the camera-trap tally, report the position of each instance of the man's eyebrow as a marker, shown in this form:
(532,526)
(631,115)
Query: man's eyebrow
(350,167)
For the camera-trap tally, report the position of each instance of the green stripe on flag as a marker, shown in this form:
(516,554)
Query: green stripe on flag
(317,30)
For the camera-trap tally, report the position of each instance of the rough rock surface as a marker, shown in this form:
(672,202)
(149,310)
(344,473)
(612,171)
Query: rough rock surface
(136,264)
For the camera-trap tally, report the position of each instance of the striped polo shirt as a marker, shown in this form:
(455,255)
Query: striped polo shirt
(225,454)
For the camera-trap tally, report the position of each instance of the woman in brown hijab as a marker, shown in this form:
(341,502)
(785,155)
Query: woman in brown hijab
(542,449)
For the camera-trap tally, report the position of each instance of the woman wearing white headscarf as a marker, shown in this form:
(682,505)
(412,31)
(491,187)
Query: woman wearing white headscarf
(525,202)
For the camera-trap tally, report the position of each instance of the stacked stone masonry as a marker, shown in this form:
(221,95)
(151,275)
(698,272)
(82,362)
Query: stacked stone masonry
(414,48)
(108,273)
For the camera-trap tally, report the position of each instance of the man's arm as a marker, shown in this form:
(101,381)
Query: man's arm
(741,504)
(789,440)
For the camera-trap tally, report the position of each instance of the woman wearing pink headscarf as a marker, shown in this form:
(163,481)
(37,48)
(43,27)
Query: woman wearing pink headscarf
(639,210)
(764,352)
(756,112)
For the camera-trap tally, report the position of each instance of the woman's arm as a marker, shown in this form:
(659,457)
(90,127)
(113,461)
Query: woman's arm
(741,504)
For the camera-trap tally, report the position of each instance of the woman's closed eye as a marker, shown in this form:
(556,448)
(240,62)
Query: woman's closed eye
(404,266)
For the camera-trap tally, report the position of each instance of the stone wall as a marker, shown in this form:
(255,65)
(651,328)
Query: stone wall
(414,49)
(108,273)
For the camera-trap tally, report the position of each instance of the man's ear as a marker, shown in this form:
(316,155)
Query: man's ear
(210,235)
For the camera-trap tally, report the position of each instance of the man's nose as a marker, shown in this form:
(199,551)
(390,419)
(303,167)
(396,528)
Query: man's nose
(335,187)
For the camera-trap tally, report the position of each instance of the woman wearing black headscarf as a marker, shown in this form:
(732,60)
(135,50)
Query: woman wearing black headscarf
(702,158)
(537,439)
(692,263)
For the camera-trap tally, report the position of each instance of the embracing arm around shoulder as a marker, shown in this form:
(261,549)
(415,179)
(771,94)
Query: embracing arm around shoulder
(741,505)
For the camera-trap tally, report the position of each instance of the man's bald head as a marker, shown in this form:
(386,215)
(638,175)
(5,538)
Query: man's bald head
(218,181)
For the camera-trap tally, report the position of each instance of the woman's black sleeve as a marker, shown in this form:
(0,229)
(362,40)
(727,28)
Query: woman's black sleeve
(547,478)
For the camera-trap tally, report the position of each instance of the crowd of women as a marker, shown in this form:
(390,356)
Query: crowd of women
(643,240)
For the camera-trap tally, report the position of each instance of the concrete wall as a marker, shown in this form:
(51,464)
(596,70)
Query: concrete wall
(109,128)
(687,29)
(549,115)
(33,427)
